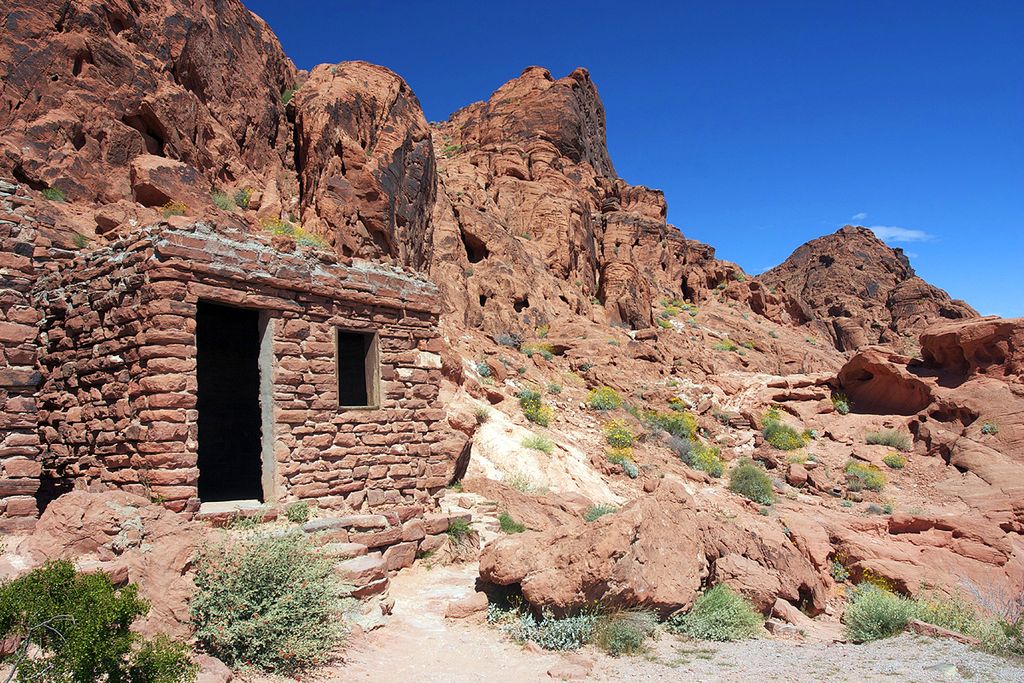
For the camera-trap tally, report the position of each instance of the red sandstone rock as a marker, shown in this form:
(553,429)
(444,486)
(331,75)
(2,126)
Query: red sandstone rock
(861,291)
(466,607)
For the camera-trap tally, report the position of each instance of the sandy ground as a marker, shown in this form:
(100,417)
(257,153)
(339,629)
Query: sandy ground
(419,644)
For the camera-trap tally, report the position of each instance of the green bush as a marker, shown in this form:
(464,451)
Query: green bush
(174,208)
(71,627)
(860,475)
(889,437)
(624,458)
(459,530)
(895,460)
(538,443)
(780,435)
(483,369)
(725,345)
(298,512)
(542,349)
(554,388)
(269,602)
(678,423)
(839,572)
(624,632)
(698,456)
(286,95)
(874,613)
(618,434)
(242,197)
(53,194)
(604,398)
(989,429)
(840,403)
(750,481)
(534,409)
(719,614)
(955,614)
(567,633)
(509,525)
(595,512)
(481,414)
(222,201)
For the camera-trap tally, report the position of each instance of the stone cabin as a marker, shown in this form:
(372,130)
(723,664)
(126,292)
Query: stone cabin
(199,367)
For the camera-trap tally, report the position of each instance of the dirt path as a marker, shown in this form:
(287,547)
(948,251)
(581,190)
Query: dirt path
(420,645)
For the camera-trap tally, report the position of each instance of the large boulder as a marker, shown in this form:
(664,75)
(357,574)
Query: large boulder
(129,537)
(655,553)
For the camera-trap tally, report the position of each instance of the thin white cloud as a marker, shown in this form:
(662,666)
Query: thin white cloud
(891,233)
(911,254)
(858,216)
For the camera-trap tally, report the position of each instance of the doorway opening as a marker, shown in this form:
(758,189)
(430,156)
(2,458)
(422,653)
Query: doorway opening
(228,344)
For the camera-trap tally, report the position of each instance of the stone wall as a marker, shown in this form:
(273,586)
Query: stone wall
(19,438)
(118,401)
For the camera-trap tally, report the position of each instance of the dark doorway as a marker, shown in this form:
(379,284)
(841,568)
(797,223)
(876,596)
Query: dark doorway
(228,350)
(358,376)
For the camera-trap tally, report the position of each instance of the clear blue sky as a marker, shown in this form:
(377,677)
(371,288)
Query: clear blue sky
(766,123)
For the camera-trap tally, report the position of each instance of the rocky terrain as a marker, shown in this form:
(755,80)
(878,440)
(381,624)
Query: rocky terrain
(556,276)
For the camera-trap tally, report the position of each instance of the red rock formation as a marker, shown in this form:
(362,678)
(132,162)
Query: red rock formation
(533,225)
(89,86)
(861,291)
(366,164)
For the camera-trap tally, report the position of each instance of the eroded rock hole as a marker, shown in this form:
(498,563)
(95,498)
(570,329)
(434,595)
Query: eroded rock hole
(476,250)
(521,304)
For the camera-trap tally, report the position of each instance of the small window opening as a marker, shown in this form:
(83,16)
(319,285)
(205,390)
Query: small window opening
(358,369)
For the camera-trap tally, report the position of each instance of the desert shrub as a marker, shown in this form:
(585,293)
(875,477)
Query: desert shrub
(533,407)
(481,414)
(554,388)
(542,349)
(508,339)
(860,475)
(953,613)
(242,197)
(222,201)
(697,455)
(80,240)
(298,512)
(750,481)
(618,434)
(567,633)
(595,512)
(889,437)
(459,530)
(780,435)
(279,226)
(53,194)
(483,369)
(162,660)
(989,429)
(269,602)
(174,208)
(70,627)
(664,324)
(623,457)
(286,95)
(895,460)
(678,423)
(719,614)
(749,345)
(726,345)
(840,403)
(538,443)
(875,613)
(520,481)
(604,398)
(509,525)
(623,632)
(839,571)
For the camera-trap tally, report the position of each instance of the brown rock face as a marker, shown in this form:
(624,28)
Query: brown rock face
(655,553)
(531,223)
(366,162)
(89,86)
(861,292)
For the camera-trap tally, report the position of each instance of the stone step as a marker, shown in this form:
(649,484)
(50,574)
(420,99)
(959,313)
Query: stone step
(343,551)
(359,522)
(363,570)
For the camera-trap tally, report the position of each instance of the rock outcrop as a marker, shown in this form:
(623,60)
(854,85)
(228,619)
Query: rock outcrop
(90,86)
(861,292)
(532,224)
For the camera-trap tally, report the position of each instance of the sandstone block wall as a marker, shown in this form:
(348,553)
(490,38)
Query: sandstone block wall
(19,438)
(117,404)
